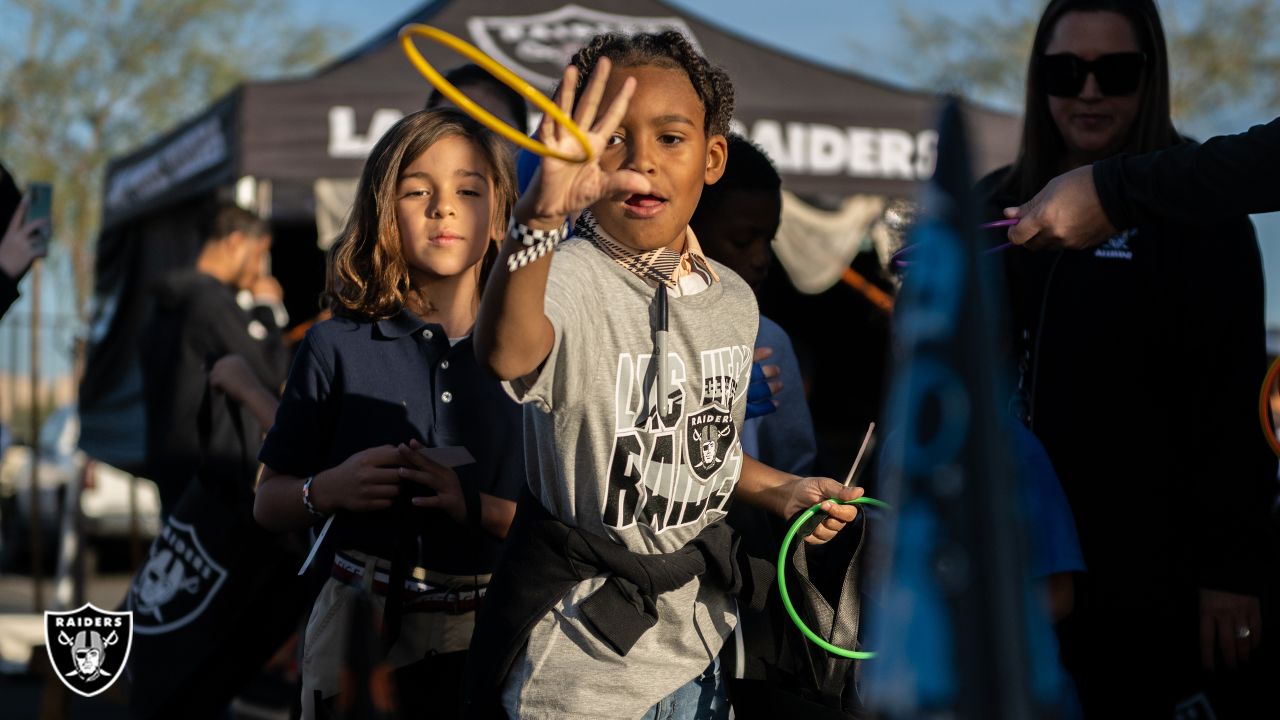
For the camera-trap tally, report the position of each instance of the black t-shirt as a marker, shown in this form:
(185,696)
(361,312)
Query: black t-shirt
(357,385)
(1142,359)
(196,321)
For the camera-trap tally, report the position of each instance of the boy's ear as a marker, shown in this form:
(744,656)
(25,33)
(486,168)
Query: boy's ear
(717,158)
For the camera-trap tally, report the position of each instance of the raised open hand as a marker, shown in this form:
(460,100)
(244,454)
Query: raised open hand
(562,188)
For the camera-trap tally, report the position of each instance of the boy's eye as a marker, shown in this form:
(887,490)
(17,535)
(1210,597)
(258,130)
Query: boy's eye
(614,139)
(670,139)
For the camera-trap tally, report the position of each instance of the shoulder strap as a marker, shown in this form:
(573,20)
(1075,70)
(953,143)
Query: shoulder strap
(243,485)
(837,625)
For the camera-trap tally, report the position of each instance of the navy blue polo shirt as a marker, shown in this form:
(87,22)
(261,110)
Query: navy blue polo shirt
(360,384)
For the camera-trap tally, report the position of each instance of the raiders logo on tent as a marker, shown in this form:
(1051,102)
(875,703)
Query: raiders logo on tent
(88,647)
(177,582)
(709,436)
(537,47)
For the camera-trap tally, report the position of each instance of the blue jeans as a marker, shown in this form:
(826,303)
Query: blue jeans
(702,698)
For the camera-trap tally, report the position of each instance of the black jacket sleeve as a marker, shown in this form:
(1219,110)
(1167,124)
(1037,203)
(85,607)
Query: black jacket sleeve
(1227,175)
(8,292)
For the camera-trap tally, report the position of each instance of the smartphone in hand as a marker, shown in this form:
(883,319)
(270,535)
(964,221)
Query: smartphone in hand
(40,207)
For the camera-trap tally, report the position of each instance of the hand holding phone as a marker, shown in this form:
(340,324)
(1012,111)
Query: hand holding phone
(41,208)
(24,239)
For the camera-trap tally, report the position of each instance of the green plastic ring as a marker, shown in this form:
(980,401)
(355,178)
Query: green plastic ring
(783,556)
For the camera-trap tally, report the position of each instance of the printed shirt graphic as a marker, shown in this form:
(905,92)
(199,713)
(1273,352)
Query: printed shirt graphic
(600,453)
(670,471)
(602,456)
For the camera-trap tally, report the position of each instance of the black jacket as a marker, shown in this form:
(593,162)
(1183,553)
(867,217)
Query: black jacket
(8,292)
(544,559)
(1142,361)
(196,321)
(1227,175)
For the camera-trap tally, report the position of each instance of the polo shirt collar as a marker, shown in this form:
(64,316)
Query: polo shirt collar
(402,324)
(662,265)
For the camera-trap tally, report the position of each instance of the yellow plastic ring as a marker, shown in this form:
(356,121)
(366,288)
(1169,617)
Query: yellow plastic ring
(501,74)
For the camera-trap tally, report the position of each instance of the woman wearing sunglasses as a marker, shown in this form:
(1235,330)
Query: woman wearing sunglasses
(1140,362)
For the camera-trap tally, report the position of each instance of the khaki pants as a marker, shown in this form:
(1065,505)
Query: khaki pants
(325,643)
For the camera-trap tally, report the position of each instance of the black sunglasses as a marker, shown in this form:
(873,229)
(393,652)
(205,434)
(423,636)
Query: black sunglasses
(1064,74)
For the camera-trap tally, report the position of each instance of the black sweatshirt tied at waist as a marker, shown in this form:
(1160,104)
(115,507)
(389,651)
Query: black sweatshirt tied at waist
(544,559)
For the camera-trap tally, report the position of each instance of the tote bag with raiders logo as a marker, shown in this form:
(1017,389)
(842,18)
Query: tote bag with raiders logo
(217,594)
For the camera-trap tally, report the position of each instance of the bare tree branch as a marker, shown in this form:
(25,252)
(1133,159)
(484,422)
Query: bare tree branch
(96,79)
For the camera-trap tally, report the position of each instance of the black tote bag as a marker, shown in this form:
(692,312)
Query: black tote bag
(217,594)
(803,680)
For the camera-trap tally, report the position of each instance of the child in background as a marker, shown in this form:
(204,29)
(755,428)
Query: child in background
(736,221)
(486,91)
(632,353)
(392,373)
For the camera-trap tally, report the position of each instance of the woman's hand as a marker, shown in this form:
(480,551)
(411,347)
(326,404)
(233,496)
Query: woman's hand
(1066,214)
(562,188)
(1224,618)
(22,243)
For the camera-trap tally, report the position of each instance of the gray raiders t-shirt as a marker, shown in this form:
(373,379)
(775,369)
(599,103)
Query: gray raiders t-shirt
(602,458)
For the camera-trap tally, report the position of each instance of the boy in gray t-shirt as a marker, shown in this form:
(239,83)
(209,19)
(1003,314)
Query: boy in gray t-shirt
(632,353)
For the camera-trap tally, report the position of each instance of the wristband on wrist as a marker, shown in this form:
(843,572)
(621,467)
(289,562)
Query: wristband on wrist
(534,243)
(306,498)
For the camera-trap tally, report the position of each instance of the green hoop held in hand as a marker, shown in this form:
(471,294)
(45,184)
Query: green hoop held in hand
(784,556)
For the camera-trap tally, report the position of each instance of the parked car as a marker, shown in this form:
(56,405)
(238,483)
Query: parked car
(104,501)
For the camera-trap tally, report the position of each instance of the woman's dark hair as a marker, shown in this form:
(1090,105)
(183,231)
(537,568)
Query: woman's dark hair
(366,275)
(472,74)
(665,49)
(1040,154)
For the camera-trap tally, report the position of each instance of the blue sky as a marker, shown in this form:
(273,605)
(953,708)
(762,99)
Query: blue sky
(861,35)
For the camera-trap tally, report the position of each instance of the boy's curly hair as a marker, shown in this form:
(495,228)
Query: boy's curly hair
(666,49)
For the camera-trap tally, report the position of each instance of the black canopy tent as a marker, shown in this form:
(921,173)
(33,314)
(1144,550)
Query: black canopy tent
(273,146)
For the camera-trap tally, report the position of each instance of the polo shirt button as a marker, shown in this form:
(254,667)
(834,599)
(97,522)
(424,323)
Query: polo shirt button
(427,333)
(444,364)
(446,396)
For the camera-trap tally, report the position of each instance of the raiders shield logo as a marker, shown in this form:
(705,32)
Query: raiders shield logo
(537,47)
(88,647)
(709,436)
(177,582)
